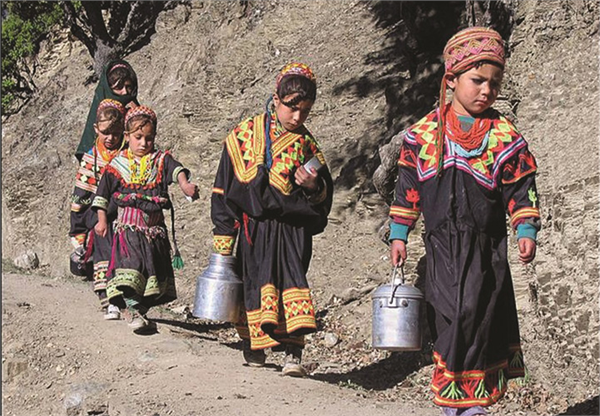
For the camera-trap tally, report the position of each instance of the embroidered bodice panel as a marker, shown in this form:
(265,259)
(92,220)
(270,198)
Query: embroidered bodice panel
(246,146)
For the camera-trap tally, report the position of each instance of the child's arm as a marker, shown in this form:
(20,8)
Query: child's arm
(81,215)
(521,201)
(177,173)
(405,209)
(188,188)
(106,187)
(102,224)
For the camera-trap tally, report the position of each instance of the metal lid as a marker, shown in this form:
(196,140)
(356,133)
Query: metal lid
(397,289)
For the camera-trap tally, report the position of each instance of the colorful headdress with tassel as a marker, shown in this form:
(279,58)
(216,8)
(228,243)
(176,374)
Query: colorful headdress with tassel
(110,103)
(295,68)
(461,53)
(138,111)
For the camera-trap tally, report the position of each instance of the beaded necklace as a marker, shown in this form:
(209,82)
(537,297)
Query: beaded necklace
(470,139)
(139,172)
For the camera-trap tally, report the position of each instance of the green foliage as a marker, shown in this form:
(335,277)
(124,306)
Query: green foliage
(24,25)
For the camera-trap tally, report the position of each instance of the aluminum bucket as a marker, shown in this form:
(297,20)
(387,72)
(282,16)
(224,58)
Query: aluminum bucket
(396,316)
(219,291)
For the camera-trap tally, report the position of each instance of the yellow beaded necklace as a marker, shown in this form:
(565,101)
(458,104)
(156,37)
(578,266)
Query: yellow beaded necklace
(139,173)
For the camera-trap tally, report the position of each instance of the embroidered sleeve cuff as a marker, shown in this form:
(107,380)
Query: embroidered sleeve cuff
(178,170)
(398,232)
(100,202)
(527,231)
(223,244)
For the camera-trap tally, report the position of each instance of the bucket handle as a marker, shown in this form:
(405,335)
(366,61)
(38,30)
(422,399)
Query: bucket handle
(396,286)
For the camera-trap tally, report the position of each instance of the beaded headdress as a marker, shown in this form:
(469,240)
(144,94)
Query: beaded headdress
(110,103)
(295,68)
(140,110)
(461,53)
(119,66)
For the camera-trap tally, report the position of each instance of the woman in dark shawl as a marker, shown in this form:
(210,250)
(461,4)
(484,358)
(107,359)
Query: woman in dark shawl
(118,82)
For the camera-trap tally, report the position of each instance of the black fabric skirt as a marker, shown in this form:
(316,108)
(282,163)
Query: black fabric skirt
(473,316)
(141,265)
(273,259)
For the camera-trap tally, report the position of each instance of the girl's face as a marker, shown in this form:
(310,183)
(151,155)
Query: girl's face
(476,89)
(109,136)
(291,118)
(141,140)
(122,87)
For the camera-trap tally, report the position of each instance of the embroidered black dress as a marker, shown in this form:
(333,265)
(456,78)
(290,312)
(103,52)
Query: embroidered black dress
(83,218)
(140,272)
(469,289)
(255,194)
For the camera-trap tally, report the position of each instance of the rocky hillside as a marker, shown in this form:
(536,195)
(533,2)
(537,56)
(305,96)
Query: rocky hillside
(212,63)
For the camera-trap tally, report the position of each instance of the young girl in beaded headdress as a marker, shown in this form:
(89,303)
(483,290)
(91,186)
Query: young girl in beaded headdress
(108,126)
(140,273)
(263,192)
(465,166)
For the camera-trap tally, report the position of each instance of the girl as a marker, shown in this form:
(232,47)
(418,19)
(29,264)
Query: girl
(136,181)
(109,141)
(118,82)
(465,166)
(262,189)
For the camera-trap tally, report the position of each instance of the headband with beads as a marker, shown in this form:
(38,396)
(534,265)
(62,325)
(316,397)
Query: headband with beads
(295,68)
(118,66)
(140,110)
(110,103)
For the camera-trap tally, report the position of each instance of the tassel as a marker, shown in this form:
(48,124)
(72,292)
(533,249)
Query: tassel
(123,245)
(246,220)
(113,253)
(439,142)
(90,247)
(177,261)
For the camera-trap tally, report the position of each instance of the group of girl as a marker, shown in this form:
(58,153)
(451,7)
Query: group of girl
(121,190)
(464,167)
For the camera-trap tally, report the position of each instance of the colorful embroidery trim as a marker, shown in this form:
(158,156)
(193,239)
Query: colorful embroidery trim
(503,142)
(119,167)
(246,146)
(475,387)
(298,313)
(223,244)
(523,213)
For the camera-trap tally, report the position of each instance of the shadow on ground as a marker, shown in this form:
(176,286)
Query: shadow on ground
(589,407)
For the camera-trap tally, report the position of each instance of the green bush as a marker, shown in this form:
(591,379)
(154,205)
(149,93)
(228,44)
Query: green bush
(24,25)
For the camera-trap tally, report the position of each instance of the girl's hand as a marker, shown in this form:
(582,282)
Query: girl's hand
(527,248)
(307,180)
(100,229)
(191,190)
(398,252)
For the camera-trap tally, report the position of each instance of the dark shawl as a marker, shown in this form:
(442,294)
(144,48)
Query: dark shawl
(103,91)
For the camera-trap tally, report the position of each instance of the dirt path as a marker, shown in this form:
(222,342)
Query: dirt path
(59,357)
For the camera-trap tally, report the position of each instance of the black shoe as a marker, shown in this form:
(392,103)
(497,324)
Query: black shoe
(254,358)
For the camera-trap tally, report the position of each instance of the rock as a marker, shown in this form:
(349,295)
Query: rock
(331,339)
(86,399)
(12,367)
(27,261)
(353,293)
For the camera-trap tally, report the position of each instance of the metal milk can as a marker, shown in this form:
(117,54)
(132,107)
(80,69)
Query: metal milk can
(219,290)
(396,315)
